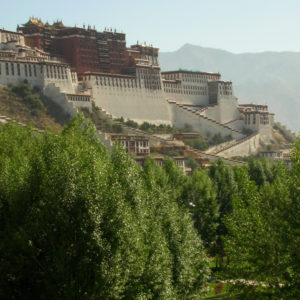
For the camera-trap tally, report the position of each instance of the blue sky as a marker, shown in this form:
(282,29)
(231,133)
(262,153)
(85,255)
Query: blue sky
(234,25)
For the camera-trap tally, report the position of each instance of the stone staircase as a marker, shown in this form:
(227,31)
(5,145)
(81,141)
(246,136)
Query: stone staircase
(203,109)
(201,117)
(220,147)
(237,142)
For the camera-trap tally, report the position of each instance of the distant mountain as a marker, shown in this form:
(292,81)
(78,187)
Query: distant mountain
(271,78)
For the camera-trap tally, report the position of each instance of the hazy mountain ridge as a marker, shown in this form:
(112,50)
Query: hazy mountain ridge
(271,78)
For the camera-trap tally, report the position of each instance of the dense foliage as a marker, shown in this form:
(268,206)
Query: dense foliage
(77,223)
(248,219)
(262,244)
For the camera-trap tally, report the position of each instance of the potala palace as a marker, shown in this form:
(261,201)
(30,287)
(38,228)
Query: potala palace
(75,66)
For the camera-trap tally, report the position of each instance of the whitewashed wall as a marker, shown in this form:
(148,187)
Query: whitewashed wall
(247,147)
(55,94)
(228,109)
(187,99)
(180,117)
(36,75)
(237,125)
(36,78)
(137,104)
(250,145)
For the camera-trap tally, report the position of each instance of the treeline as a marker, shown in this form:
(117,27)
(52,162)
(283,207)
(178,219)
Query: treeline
(248,219)
(148,127)
(79,223)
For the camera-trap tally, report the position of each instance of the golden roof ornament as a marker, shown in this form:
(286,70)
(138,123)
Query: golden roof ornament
(34,21)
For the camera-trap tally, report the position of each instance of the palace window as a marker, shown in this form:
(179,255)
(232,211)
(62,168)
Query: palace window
(6,68)
(25,66)
(12,69)
(18,70)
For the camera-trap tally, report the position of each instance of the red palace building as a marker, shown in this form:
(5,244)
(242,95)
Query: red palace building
(84,49)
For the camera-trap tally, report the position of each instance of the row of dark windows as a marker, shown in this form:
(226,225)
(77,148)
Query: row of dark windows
(191,77)
(80,98)
(125,83)
(264,119)
(186,92)
(56,72)
(226,93)
(226,87)
(31,70)
(186,87)
(150,71)
(15,69)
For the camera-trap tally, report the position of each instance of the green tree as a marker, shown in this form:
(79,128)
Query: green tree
(76,223)
(197,143)
(200,197)
(293,235)
(132,124)
(189,264)
(260,171)
(223,178)
(263,235)
(175,180)
(49,243)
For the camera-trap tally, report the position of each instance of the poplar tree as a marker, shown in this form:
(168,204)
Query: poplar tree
(79,223)
(223,178)
(200,197)
(263,235)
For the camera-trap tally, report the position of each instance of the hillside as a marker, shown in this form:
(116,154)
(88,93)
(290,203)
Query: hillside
(24,105)
(268,78)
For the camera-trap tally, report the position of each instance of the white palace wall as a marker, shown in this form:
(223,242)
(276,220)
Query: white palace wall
(186,99)
(52,83)
(37,74)
(180,117)
(130,101)
(237,125)
(228,109)
(9,73)
(249,145)
(54,93)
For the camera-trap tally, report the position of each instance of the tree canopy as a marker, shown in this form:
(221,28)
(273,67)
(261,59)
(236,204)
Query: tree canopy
(79,223)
